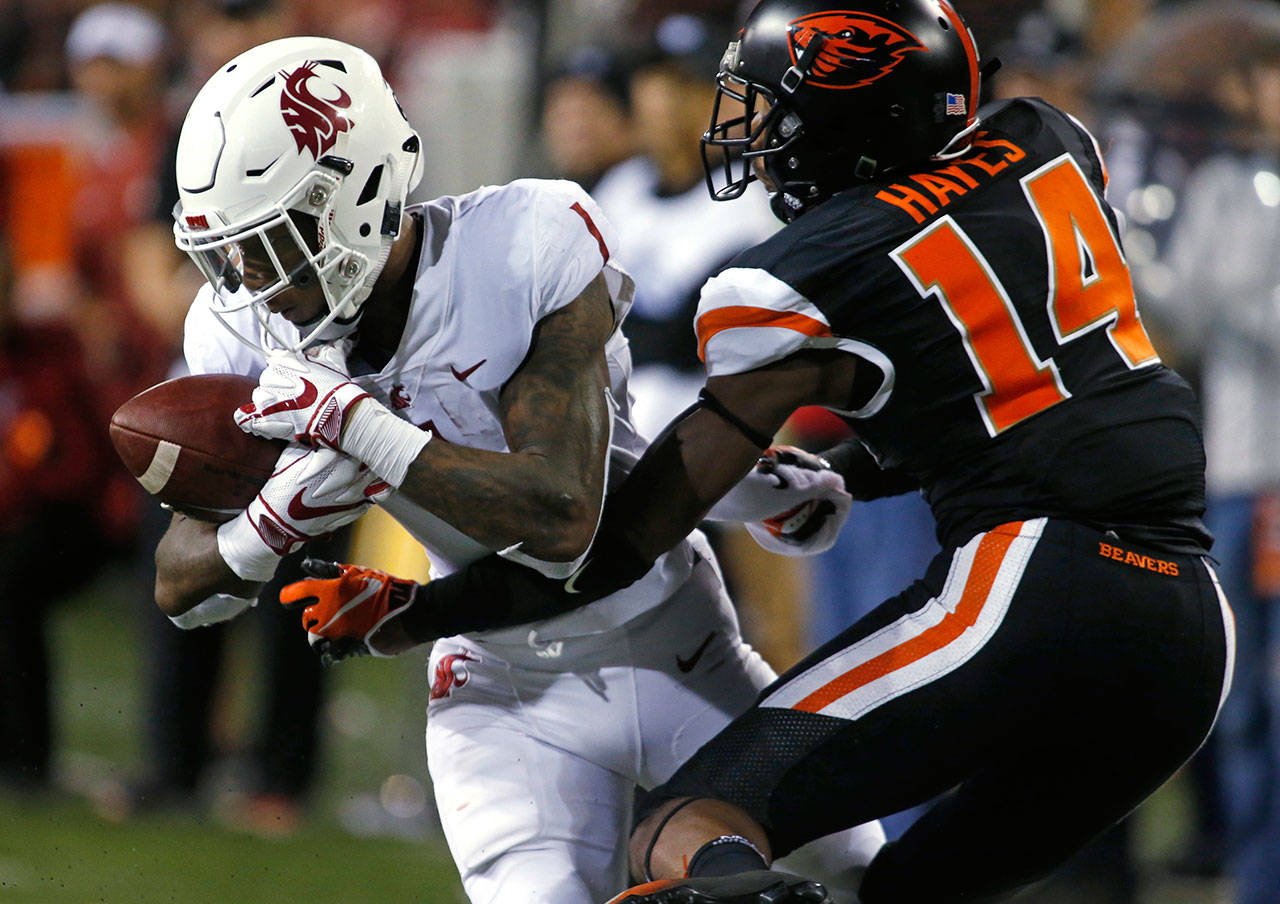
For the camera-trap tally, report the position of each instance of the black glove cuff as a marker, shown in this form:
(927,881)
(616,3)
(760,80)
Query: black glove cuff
(493,592)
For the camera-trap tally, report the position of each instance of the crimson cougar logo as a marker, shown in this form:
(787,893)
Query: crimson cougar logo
(314,121)
(451,672)
(859,47)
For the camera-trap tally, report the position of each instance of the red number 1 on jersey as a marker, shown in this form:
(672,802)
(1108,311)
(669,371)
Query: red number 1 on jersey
(1089,288)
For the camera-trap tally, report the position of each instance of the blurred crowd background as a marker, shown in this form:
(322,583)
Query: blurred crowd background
(224,764)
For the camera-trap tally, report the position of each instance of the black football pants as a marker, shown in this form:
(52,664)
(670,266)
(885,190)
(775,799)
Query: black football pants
(1044,679)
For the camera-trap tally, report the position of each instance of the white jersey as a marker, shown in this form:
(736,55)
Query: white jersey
(494,262)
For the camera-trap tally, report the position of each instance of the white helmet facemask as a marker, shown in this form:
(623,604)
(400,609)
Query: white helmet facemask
(293,166)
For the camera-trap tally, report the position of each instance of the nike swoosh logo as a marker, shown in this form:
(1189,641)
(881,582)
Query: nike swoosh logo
(300,511)
(305,400)
(686,665)
(370,589)
(463,374)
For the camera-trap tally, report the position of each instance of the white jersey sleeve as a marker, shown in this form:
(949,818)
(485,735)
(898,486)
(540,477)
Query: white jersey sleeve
(748,318)
(573,242)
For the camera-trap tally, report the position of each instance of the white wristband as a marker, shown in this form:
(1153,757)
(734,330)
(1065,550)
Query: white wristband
(244,550)
(384,442)
(218,608)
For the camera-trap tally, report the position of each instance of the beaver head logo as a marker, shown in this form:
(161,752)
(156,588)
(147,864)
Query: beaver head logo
(858,49)
(314,121)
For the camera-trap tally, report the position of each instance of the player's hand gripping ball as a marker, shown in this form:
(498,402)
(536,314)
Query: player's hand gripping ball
(343,606)
(310,399)
(312,492)
(303,398)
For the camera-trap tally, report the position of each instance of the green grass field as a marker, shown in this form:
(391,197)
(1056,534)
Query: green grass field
(60,853)
(56,849)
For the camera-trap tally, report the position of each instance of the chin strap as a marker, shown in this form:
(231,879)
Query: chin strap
(794,77)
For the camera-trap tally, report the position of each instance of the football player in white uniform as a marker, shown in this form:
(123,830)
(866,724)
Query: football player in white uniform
(459,362)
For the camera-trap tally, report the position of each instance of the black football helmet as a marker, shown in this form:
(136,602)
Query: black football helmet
(826,94)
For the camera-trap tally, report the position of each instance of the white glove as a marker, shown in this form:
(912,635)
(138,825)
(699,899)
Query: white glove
(302,398)
(806,530)
(783,478)
(311,493)
(310,399)
(791,501)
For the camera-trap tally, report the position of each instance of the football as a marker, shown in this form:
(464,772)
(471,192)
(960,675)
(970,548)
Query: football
(180,441)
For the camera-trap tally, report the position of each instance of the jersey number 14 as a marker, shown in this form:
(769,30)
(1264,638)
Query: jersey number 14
(1089,288)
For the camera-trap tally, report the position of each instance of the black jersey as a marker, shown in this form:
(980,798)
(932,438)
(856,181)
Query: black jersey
(990,298)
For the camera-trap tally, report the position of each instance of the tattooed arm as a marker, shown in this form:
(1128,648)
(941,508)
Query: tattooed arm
(547,491)
(691,464)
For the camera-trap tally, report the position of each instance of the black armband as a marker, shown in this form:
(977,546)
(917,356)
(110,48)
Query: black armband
(494,592)
(864,479)
(754,436)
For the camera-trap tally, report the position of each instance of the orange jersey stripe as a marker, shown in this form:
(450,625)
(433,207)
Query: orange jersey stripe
(731,316)
(982,575)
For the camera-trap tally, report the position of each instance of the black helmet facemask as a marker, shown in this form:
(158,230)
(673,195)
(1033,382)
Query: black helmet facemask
(773,137)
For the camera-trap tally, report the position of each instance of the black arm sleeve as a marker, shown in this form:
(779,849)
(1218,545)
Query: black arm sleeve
(864,479)
(494,592)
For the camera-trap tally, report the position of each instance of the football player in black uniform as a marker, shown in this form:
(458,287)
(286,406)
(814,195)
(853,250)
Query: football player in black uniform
(954,285)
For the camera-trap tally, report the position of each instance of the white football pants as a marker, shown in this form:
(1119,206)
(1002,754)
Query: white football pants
(535,749)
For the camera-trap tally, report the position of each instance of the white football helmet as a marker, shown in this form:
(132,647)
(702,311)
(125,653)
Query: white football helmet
(298,144)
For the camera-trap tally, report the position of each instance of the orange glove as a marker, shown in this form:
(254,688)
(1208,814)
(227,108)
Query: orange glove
(345,605)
